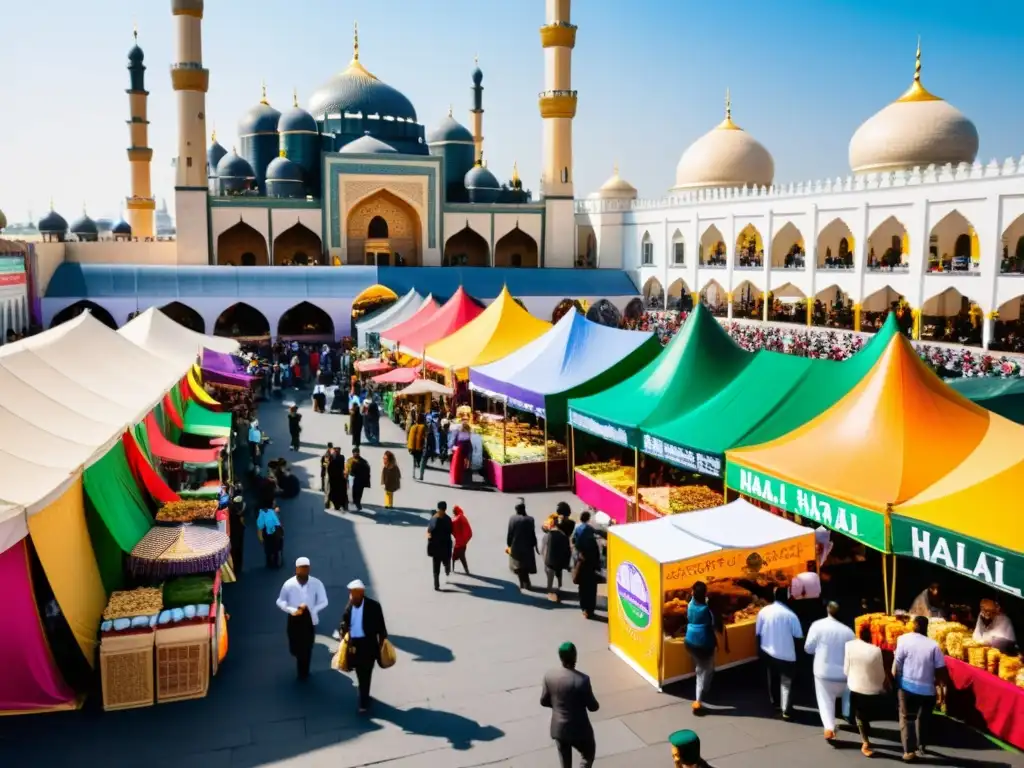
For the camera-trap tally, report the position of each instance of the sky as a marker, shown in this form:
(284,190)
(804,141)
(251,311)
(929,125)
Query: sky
(651,77)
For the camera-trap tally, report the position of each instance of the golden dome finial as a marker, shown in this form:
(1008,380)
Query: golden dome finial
(51,203)
(355,67)
(355,42)
(916,91)
(728,124)
(728,105)
(282,153)
(263,93)
(515,171)
(213,136)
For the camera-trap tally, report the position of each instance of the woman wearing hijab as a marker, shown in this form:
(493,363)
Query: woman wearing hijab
(462,452)
(462,532)
(294,426)
(521,543)
(336,485)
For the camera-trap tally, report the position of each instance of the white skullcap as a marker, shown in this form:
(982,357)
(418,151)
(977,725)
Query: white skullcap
(356,584)
(302,561)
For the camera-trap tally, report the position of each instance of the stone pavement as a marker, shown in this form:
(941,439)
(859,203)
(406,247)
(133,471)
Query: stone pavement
(466,687)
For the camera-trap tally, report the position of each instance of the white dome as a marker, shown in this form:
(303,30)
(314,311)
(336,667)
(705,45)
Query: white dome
(616,188)
(917,130)
(726,156)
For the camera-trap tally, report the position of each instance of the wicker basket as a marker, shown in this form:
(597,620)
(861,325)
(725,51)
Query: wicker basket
(182,670)
(126,671)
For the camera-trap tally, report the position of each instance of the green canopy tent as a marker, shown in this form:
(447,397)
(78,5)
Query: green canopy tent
(772,396)
(206,423)
(1002,396)
(118,516)
(699,361)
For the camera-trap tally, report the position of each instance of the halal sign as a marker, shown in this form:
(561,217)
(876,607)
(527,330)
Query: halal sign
(634,597)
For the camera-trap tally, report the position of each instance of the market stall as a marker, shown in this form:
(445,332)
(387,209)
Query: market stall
(412,337)
(1004,396)
(206,423)
(368,329)
(575,358)
(737,550)
(699,361)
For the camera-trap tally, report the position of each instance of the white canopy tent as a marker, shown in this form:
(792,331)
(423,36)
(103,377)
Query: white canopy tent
(66,397)
(155,332)
(424,387)
(399,312)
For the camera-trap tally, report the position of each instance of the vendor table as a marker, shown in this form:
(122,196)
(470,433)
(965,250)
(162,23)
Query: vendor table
(602,497)
(983,700)
(525,475)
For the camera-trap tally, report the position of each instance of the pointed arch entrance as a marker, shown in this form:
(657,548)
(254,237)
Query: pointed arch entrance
(307,322)
(242,321)
(74,310)
(242,246)
(184,315)
(466,248)
(298,246)
(516,249)
(383,229)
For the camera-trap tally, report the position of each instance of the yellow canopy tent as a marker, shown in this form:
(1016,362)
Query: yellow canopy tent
(970,521)
(499,330)
(198,392)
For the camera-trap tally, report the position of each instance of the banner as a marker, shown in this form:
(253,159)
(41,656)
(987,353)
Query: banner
(739,563)
(695,461)
(864,525)
(603,429)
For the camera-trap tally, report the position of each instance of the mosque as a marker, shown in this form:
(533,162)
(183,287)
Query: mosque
(351,191)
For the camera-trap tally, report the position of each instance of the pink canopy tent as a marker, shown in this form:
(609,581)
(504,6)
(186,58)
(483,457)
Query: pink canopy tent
(372,365)
(398,376)
(30,681)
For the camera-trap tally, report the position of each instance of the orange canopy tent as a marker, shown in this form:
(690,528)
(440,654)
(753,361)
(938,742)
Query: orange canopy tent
(895,434)
(457,311)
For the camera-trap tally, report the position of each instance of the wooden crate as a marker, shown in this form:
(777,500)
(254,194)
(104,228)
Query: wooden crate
(126,671)
(182,670)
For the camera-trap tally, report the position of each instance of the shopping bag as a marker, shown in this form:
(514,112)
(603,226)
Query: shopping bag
(387,657)
(340,660)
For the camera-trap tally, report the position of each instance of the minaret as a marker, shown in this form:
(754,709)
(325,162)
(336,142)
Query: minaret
(558,108)
(190,82)
(140,204)
(478,112)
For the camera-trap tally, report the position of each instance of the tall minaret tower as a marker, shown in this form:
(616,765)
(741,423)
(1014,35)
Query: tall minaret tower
(478,113)
(190,82)
(558,108)
(140,203)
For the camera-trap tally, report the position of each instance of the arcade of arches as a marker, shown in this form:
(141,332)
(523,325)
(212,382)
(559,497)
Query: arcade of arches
(516,249)
(712,248)
(298,246)
(185,315)
(242,320)
(242,246)
(306,321)
(466,248)
(74,310)
(384,230)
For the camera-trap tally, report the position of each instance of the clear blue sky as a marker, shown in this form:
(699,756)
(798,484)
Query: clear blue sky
(651,75)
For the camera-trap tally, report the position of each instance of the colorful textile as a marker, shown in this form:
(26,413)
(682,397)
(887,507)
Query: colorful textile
(116,497)
(143,472)
(61,539)
(983,700)
(206,423)
(413,336)
(162,448)
(197,393)
(31,681)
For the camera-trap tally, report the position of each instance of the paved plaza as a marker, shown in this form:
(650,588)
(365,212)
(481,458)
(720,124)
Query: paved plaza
(466,688)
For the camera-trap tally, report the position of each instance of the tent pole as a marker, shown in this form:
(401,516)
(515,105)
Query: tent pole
(504,431)
(572,458)
(885,580)
(471,408)
(892,585)
(636,482)
(546,483)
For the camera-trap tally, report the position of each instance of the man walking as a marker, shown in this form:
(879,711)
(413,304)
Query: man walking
(439,543)
(917,665)
(569,695)
(302,597)
(826,641)
(363,624)
(359,471)
(778,629)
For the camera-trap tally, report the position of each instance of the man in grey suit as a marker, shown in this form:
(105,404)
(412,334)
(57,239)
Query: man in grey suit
(568,694)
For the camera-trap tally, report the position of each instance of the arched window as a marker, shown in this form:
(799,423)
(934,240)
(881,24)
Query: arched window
(378,228)
(248,259)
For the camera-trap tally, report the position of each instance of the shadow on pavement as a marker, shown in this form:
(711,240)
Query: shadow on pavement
(423,650)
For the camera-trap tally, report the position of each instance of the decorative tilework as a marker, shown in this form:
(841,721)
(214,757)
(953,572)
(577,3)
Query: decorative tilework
(336,169)
(357,190)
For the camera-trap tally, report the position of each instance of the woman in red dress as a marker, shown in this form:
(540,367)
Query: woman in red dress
(461,454)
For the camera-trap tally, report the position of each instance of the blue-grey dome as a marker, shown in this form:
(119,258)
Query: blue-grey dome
(479,177)
(450,129)
(355,90)
(296,120)
(232,166)
(135,55)
(367,145)
(84,226)
(478,76)
(214,155)
(52,222)
(122,227)
(283,169)
(262,118)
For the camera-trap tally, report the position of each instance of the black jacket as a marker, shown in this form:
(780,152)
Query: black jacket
(439,544)
(374,627)
(570,697)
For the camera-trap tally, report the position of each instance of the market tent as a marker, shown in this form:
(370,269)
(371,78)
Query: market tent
(696,364)
(195,389)
(157,333)
(897,431)
(225,368)
(575,358)
(459,310)
(398,376)
(372,365)
(424,387)
(1002,396)
(426,310)
(144,473)
(969,520)
(117,500)
(772,396)
(500,329)
(401,310)
(31,681)
(206,423)
(162,448)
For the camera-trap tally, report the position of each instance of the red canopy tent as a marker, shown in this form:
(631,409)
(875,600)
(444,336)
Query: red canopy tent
(424,313)
(172,413)
(457,311)
(147,477)
(398,376)
(163,448)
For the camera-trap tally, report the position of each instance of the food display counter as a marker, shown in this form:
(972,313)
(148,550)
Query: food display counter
(519,456)
(738,550)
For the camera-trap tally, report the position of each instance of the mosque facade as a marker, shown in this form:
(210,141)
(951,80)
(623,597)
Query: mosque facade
(919,222)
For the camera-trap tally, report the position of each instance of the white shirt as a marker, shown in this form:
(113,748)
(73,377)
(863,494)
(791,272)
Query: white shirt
(311,594)
(865,673)
(1000,628)
(777,626)
(355,627)
(805,586)
(826,640)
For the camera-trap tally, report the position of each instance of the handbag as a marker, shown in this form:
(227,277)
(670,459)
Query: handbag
(340,659)
(576,570)
(387,657)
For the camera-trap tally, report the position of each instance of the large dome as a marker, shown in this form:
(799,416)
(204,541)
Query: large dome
(450,130)
(355,89)
(262,118)
(917,130)
(616,188)
(726,156)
